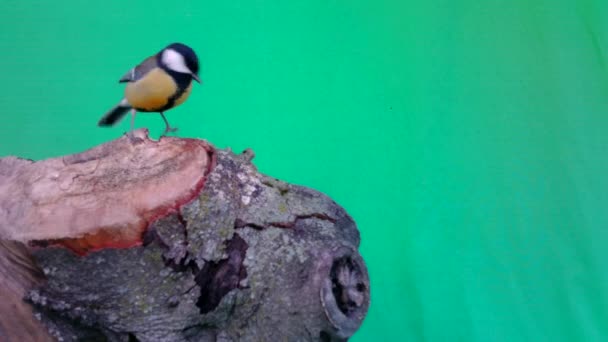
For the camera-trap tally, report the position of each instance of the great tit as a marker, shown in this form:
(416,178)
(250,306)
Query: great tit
(157,84)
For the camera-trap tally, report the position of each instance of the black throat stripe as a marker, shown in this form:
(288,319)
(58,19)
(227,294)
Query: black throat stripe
(183,82)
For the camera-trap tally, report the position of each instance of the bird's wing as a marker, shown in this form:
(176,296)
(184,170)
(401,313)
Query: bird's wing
(140,70)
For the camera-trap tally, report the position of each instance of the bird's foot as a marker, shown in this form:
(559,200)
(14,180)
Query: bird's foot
(169,130)
(133,139)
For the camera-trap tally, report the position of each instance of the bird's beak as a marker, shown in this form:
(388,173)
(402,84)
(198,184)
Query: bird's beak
(195,76)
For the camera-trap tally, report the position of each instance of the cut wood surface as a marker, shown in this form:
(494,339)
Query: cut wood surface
(109,192)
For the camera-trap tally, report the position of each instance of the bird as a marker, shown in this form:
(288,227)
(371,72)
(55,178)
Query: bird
(159,83)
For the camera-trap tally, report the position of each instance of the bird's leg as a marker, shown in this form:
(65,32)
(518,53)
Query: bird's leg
(168,128)
(133,113)
(131,134)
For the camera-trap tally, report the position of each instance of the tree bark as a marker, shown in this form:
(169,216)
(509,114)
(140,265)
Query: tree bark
(172,240)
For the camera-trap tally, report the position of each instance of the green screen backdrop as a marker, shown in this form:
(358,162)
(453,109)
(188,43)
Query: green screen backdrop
(468,139)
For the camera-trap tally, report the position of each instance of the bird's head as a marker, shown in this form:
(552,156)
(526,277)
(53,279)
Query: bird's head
(180,58)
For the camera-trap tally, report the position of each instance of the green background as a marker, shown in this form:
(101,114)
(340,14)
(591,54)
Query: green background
(466,138)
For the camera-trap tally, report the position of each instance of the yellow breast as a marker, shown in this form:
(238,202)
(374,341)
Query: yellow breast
(184,96)
(151,92)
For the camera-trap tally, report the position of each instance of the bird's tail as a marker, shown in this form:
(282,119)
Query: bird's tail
(115,114)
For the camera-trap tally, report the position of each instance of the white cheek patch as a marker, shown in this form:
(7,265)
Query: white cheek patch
(175,61)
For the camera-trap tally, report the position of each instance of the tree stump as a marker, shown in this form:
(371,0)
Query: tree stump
(172,240)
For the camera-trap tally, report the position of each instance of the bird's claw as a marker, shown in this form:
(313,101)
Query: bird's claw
(133,139)
(169,130)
